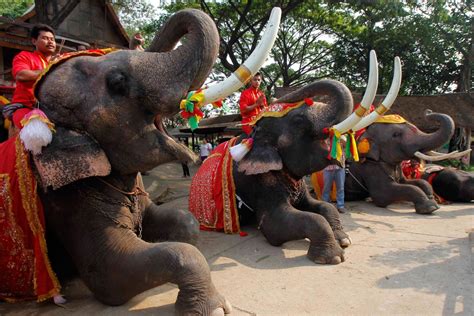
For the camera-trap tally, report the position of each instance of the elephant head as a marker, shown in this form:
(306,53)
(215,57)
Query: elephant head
(113,100)
(297,140)
(393,141)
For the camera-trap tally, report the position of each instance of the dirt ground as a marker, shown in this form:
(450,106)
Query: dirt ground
(400,263)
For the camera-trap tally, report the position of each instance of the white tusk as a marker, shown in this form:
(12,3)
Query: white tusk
(440,156)
(435,153)
(367,100)
(243,74)
(389,98)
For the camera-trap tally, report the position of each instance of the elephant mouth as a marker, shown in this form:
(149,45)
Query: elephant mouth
(176,149)
(160,126)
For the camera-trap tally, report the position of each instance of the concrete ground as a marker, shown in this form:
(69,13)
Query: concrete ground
(400,263)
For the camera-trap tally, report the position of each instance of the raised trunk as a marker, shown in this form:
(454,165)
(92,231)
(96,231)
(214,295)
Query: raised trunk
(166,74)
(335,95)
(425,142)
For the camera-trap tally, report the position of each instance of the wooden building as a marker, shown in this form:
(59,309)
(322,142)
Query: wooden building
(90,23)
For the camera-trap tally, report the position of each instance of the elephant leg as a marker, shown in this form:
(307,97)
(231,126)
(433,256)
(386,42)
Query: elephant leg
(386,194)
(308,204)
(166,224)
(423,185)
(285,224)
(128,266)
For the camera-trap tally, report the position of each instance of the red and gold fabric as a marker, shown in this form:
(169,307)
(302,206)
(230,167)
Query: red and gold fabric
(26,273)
(212,194)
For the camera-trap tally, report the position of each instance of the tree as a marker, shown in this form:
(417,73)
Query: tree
(14,8)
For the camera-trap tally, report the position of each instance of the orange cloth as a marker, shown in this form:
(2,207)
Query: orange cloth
(317,180)
(249,97)
(212,193)
(25,271)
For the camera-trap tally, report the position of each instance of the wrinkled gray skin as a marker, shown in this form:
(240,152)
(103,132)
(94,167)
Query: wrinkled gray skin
(379,170)
(104,110)
(453,185)
(270,177)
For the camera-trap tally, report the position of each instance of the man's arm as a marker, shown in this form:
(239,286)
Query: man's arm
(28,75)
(21,68)
(246,109)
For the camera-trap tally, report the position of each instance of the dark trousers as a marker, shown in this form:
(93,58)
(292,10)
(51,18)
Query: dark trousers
(185,169)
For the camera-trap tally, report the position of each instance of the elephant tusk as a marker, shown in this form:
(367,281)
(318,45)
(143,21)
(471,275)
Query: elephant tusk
(243,74)
(440,156)
(435,153)
(389,99)
(367,100)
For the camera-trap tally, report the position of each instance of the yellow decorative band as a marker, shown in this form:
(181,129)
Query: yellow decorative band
(243,74)
(360,111)
(391,119)
(381,109)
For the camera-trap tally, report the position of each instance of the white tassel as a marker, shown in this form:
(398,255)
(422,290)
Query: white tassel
(35,135)
(239,151)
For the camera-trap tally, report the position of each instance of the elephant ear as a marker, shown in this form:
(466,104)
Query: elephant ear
(71,156)
(262,158)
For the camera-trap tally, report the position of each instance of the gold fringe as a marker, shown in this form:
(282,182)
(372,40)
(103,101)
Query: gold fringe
(29,200)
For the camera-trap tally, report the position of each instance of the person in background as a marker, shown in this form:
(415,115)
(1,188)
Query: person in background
(136,42)
(252,102)
(184,164)
(335,173)
(205,149)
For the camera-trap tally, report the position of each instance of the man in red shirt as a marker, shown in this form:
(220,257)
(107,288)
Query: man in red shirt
(27,66)
(252,102)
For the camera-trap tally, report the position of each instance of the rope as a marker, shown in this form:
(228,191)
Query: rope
(353,177)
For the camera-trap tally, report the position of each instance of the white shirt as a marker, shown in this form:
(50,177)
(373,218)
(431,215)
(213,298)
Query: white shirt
(205,149)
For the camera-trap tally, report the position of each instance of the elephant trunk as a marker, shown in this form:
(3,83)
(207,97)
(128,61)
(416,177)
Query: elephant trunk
(167,74)
(336,97)
(426,142)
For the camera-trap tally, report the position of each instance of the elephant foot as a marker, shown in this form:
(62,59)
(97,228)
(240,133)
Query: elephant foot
(343,239)
(212,305)
(426,207)
(333,254)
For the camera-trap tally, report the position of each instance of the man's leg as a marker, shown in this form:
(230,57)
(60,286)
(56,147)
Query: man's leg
(328,176)
(340,176)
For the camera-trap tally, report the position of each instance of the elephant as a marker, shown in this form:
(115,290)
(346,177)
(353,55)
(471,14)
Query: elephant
(108,113)
(382,148)
(451,184)
(269,181)
(448,183)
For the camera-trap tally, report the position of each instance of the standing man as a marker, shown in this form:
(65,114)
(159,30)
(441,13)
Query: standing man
(335,173)
(252,102)
(27,67)
(205,149)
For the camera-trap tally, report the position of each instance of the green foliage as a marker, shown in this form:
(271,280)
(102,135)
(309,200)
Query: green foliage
(332,38)
(14,8)
(135,15)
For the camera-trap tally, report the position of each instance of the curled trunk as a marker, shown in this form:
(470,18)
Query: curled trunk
(424,142)
(167,74)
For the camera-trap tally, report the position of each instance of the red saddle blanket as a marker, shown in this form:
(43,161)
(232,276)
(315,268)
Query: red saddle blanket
(25,271)
(212,194)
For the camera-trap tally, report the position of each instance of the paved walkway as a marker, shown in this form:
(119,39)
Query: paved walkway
(400,263)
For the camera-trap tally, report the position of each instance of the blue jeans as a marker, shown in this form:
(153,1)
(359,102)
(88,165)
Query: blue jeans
(338,176)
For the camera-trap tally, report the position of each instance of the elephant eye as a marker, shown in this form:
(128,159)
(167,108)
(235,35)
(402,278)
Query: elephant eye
(396,134)
(117,82)
(297,120)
